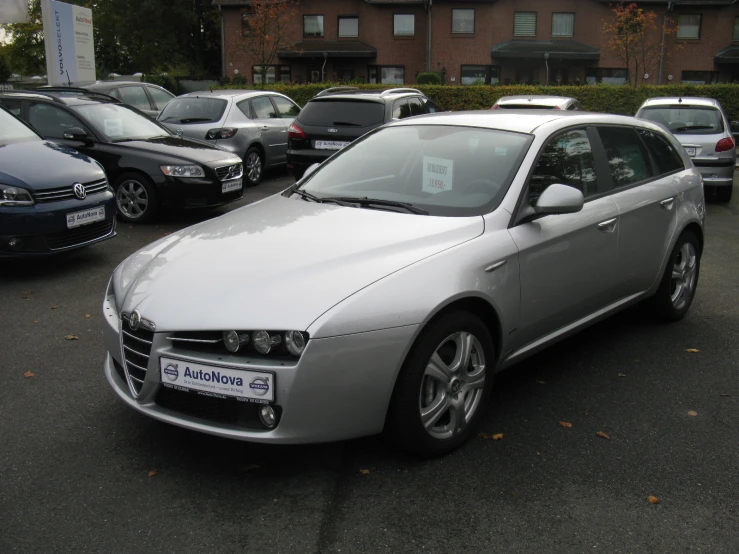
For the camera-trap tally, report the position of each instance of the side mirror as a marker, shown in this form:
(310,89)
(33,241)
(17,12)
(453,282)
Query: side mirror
(310,170)
(75,133)
(559,199)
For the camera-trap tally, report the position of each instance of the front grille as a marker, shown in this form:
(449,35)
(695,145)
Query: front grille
(228,172)
(219,410)
(62,193)
(79,235)
(136,351)
(211,342)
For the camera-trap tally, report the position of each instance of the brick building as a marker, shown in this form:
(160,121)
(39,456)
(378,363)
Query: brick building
(481,41)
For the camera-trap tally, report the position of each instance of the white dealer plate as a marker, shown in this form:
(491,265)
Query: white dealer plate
(244,385)
(331,144)
(230,186)
(690,151)
(76,219)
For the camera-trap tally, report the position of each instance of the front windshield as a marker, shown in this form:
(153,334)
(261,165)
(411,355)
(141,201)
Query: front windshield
(118,123)
(13,130)
(445,170)
(686,120)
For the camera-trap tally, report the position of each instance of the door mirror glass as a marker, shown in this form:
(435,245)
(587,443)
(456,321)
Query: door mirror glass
(75,133)
(559,199)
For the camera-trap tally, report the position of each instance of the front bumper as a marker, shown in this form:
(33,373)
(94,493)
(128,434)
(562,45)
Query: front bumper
(340,388)
(195,193)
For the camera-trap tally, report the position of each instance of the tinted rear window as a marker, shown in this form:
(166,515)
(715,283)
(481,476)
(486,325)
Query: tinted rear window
(347,113)
(664,154)
(193,110)
(686,120)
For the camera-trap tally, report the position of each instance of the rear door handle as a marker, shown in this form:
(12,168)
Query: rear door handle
(667,204)
(608,226)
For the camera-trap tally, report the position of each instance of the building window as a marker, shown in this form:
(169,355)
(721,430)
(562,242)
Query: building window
(689,26)
(563,24)
(247,17)
(272,70)
(736,29)
(480,75)
(524,24)
(699,77)
(348,27)
(386,74)
(463,21)
(404,25)
(606,76)
(312,25)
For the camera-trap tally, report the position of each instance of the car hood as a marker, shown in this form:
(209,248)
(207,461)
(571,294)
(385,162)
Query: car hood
(61,167)
(185,149)
(277,264)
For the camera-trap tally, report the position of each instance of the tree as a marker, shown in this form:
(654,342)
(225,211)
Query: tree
(636,39)
(4,68)
(25,48)
(264,32)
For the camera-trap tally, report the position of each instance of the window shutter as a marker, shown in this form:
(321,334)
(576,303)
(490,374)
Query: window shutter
(524,24)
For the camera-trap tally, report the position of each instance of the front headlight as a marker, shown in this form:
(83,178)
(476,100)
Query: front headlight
(183,170)
(14,196)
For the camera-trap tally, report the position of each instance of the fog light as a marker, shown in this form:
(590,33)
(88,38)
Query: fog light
(233,340)
(267,416)
(262,342)
(295,342)
(15,244)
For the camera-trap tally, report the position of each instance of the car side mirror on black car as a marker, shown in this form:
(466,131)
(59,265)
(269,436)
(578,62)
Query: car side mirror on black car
(75,133)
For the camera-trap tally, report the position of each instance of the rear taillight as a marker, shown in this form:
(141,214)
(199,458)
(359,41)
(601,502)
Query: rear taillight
(725,144)
(223,133)
(295,132)
(495,107)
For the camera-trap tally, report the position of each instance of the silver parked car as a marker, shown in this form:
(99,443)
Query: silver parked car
(703,129)
(251,124)
(386,288)
(537,102)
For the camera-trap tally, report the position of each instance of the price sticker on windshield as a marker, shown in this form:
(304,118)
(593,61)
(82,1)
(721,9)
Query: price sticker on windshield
(437,174)
(113,127)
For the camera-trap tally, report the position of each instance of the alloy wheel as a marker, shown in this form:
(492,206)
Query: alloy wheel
(683,276)
(132,199)
(452,385)
(254,167)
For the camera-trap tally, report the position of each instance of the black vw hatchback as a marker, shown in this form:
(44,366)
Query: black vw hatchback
(147,165)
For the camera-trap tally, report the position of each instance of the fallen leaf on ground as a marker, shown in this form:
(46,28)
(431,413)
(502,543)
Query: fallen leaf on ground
(87,316)
(249,467)
(542,382)
(364,471)
(497,436)
(724,394)
(692,413)
(35,320)
(602,435)
(565,424)
(622,375)
(71,337)
(54,307)
(692,350)
(653,499)
(153,472)
(29,373)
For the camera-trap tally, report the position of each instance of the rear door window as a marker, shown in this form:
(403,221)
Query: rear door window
(627,156)
(285,107)
(348,113)
(135,96)
(416,106)
(161,98)
(663,153)
(401,109)
(263,108)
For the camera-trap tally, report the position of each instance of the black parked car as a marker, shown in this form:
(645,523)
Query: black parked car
(52,198)
(147,165)
(337,116)
(148,98)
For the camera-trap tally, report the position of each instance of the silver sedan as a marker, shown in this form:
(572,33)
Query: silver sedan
(385,289)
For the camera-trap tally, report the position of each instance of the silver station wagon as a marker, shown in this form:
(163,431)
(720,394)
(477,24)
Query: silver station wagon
(384,290)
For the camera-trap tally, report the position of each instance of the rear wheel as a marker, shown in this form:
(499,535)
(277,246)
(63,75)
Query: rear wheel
(444,386)
(723,194)
(253,166)
(135,197)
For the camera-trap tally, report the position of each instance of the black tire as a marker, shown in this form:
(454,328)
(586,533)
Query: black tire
(253,166)
(403,424)
(662,304)
(130,190)
(723,194)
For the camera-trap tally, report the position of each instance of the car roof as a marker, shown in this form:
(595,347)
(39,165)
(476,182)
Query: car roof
(687,100)
(523,121)
(67,98)
(380,95)
(538,99)
(229,93)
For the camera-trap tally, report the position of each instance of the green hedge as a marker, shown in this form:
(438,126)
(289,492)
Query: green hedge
(596,98)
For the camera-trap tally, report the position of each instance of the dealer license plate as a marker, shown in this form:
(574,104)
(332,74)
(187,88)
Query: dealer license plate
(230,186)
(76,219)
(221,382)
(331,144)
(690,151)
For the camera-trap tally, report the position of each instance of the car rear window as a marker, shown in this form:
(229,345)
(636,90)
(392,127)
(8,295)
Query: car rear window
(686,120)
(347,113)
(193,109)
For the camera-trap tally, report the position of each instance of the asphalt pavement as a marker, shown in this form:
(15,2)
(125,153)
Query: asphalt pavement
(81,472)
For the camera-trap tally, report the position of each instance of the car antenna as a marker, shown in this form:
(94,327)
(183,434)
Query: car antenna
(679,99)
(69,81)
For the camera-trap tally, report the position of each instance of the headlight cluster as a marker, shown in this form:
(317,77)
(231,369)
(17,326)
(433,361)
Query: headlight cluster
(14,196)
(265,342)
(183,170)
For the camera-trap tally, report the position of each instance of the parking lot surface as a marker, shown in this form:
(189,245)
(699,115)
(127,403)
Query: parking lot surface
(81,472)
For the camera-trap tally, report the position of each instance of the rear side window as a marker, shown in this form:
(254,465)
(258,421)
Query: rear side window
(416,107)
(401,109)
(627,157)
(135,96)
(429,106)
(665,156)
(348,113)
(286,109)
(686,120)
(193,109)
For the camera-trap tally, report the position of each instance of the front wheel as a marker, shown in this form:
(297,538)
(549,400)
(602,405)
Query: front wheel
(135,197)
(443,387)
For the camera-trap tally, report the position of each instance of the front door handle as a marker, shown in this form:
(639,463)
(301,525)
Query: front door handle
(667,204)
(608,226)
(265,128)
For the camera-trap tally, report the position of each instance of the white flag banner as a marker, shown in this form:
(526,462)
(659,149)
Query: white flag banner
(13,11)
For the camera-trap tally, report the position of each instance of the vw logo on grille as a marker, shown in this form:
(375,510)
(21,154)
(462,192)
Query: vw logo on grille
(332,130)
(79,191)
(134,320)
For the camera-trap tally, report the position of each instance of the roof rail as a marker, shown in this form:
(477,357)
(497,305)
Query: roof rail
(335,90)
(78,90)
(399,91)
(39,93)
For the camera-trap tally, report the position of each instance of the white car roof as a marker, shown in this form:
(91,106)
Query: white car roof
(686,100)
(536,99)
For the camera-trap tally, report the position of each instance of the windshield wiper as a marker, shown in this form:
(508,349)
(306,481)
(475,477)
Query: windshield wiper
(691,127)
(369,202)
(308,196)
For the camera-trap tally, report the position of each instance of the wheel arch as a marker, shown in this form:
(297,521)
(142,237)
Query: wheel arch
(259,146)
(696,229)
